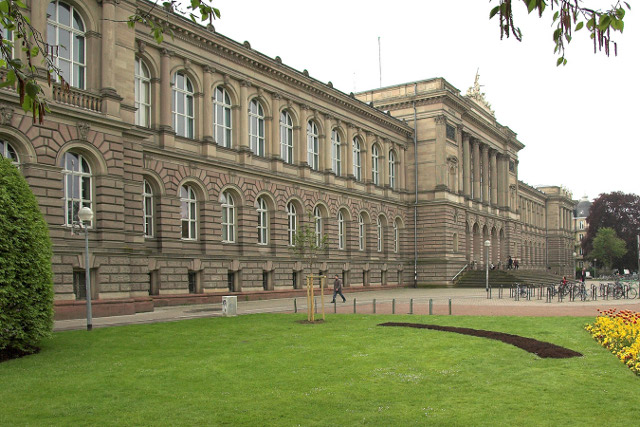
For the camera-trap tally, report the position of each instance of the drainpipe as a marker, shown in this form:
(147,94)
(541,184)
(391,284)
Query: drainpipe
(415,204)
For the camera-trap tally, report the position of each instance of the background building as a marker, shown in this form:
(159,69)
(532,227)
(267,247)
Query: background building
(580,225)
(201,157)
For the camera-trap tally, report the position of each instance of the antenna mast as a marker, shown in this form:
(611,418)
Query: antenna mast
(379,61)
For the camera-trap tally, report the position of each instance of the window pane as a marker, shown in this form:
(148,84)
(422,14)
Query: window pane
(180,103)
(78,49)
(78,76)
(185,229)
(64,40)
(65,70)
(51,36)
(64,14)
(77,22)
(193,229)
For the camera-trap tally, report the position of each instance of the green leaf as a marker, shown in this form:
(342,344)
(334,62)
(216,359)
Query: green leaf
(559,61)
(579,26)
(555,16)
(532,5)
(494,11)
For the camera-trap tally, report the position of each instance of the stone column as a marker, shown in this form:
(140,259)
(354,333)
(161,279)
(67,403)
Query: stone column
(440,152)
(466,166)
(401,168)
(500,180)
(325,149)
(165,91)
(275,129)
(108,45)
(207,105)
(459,129)
(243,134)
(300,137)
(476,170)
(349,146)
(384,163)
(494,177)
(365,154)
(485,174)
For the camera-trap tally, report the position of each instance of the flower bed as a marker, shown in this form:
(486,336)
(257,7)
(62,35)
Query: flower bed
(619,331)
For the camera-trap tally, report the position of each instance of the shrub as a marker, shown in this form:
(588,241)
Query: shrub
(26,287)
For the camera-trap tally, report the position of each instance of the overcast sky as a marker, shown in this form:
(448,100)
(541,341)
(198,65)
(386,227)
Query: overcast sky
(577,122)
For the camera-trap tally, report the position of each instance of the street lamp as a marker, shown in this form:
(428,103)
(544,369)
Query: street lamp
(594,267)
(85,215)
(487,244)
(574,264)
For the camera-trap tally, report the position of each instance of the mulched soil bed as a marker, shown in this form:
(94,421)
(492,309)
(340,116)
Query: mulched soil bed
(9,354)
(539,348)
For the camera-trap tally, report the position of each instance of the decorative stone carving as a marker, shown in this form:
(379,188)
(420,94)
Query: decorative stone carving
(441,119)
(141,46)
(478,96)
(6,114)
(83,130)
(247,44)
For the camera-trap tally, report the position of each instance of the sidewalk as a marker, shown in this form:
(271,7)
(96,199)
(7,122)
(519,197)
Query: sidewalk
(407,300)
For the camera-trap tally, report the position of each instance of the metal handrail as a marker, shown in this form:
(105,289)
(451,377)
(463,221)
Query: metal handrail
(461,270)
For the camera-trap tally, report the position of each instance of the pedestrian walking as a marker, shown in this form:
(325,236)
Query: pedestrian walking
(509,263)
(583,275)
(516,265)
(337,289)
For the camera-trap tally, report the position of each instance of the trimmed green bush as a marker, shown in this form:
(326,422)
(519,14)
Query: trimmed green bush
(26,286)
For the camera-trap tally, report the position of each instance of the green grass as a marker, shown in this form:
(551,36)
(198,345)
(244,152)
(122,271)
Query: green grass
(271,370)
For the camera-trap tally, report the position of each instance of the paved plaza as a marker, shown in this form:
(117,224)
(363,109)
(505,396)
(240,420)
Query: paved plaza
(439,301)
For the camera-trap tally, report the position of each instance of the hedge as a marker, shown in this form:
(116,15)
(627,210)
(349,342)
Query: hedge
(26,286)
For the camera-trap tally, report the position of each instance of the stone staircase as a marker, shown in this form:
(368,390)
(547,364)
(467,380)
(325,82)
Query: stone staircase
(506,278)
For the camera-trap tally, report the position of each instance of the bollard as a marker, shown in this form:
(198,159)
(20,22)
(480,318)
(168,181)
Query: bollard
(430,306)
(393,306)
(315,306)
(335,307)
(449,306)
(295,305)
(374,306)
(354,306)
(411,306)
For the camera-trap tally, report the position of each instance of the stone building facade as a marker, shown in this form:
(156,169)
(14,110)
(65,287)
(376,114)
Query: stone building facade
(201,157)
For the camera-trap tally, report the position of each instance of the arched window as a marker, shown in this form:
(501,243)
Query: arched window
(256,128)
(392,169)
(8,152)
(292,223)
(182,105)
(66,31)
(340,230)
(312,145)
(357,161)
(142,92)
(8,35)
(147,208)
(379,234)
(361,231)
(263,222)
(228,218)
(335,152)
(317,220)
(222,117)
(396,236)
(188,212)
(286,137)
(375,175)
(77,185)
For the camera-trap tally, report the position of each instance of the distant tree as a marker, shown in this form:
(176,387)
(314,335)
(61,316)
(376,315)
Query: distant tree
(569,16)
(618,211)
(607,247)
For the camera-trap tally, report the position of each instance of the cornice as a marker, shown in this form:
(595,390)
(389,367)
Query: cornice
(244,56)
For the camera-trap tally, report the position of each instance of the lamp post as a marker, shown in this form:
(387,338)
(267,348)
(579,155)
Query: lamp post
(85,215)
(594,267)
(574,264)
(487,244)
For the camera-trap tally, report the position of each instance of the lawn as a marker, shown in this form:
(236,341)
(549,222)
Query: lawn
(269,369)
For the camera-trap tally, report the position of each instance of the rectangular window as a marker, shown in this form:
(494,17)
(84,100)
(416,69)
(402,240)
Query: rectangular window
(451,132)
